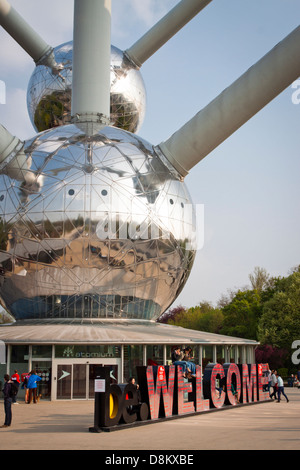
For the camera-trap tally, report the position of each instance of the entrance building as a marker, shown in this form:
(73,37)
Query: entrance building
(66,354)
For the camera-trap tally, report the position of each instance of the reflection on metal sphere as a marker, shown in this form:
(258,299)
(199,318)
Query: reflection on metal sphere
(104,230)
(49,95)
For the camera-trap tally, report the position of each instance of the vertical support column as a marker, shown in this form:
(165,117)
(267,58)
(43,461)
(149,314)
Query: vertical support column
(200,357)
(122,363)
(8,359)
(253,354)
(30,357)
(227,353)
(244,357)
(53,379)
(214,353)
(144,355)
(91,61)
(236,354)
(164,354)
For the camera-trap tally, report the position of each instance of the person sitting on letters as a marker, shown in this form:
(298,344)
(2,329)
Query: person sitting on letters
(187,358)
(177,360)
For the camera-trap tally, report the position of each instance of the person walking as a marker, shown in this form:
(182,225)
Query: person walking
(269,381)
(7,392)
(32,386)
(281,388)
(274,384)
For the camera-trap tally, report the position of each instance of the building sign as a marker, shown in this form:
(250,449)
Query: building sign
(87,351)
(164,393)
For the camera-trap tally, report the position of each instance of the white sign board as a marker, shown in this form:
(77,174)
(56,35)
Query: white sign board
(99,385)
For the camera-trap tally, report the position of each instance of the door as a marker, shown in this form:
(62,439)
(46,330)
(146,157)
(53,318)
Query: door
(43,369)
(75,380)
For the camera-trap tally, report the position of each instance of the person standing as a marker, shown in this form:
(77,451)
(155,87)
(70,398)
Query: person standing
(269,381)
(7,392)
(16,380)
(281,388)
(32,386)
(24,379)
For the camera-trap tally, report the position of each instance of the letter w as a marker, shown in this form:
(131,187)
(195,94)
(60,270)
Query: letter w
(163,388)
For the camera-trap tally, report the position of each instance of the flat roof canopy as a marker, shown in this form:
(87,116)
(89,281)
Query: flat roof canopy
(80,331)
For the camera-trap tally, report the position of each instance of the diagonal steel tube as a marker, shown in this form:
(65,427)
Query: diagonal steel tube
(13,160)
(25,36)
(234,106)
(162,31)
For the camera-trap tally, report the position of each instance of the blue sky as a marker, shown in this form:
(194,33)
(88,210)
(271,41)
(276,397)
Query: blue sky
(249,185)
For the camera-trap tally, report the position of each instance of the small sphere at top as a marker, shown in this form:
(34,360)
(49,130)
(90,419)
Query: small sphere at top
(49,94)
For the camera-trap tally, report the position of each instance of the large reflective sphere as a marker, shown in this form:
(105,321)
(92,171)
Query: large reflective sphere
(49,94)
(100,229)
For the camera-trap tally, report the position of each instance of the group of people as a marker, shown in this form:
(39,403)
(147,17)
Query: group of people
(10,392)
(294,381)
(275,382)
(184,358)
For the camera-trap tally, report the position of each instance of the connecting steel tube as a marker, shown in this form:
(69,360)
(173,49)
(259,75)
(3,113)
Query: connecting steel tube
(25,36)
(162,31)
(234,106)
(13,161)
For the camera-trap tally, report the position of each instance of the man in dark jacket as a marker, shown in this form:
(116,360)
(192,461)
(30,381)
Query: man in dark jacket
(7,392)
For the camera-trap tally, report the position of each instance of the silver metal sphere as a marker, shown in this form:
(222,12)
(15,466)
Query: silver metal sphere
(101,229)
(49,94)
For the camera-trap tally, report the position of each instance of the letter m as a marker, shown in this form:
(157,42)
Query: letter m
(249,383)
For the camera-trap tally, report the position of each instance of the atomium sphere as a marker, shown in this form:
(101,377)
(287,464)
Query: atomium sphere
(49,94)
(98,227)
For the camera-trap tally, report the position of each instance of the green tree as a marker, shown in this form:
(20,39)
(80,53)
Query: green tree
(241,315)
(203,317)
(279,324)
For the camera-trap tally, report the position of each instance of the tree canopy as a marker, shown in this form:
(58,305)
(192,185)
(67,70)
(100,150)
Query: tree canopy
(267,311)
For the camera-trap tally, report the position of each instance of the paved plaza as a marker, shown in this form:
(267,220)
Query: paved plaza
(64,425)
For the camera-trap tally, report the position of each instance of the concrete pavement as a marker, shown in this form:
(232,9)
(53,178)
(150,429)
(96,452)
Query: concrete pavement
(64,425)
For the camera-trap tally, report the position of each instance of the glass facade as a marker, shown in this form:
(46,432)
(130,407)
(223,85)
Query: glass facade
(133,357)
(155,355)
(42,351)
(207,355)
